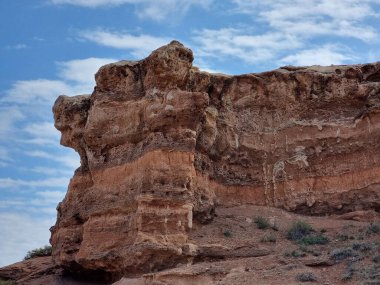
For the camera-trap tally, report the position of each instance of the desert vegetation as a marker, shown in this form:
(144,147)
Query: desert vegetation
(38,252)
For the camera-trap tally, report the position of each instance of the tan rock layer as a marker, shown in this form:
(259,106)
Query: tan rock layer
(162,144)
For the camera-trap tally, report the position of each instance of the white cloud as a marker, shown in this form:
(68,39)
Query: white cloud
(82,70)
(45,199)
(38,91)
(17,46)
(38,207)
(93,3)
(140,45)
(279,27)
(4,157)
(4,154)
(51,196)
(76,77)
(39,39)
(48,198)
(240,44)
(48,182)
(151,9)
(12,203)
(48,171)
(325,55)
(309,18)
(21,233)
(8,118)
(206,66)
(71,161)
(42,133)
(160,10)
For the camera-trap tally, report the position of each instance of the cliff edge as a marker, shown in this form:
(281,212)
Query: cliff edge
(166,149)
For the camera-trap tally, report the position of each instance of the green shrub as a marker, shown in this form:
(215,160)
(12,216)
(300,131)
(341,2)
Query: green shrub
(340,254)
(348,274)
(38,252)
(294,253)
(362,246)
(342,237)
(314,239)
(261,223)
(376,259)
(306,277)
(299,230)
(7,282)
(269,238)
(371,275)
(297,254)
(373,229)
(227,233)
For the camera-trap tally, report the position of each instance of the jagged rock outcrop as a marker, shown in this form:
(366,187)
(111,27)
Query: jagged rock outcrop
(162,144)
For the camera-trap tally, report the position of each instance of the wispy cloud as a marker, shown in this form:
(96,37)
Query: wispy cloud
(282,31)
(145,9)
(71,161)
(160,10)
(325,55)
(4,154)
(47,198)
(4,157)
(43,133)
(82,71)
(94,3)
(315,17)
(51,196)
(38,91)
(52,172)
(139,45)
(8,118)
(206,66)
(17,46)
(75,77)
(48,182)
(39,39)
(41,199)
(241,44)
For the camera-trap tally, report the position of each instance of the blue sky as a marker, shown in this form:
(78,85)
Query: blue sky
(53,47)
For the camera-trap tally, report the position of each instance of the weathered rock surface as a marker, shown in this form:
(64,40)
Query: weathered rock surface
(163,144)
(39,271)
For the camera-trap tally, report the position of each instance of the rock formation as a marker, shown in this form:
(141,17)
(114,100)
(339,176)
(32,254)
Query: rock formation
(163,144)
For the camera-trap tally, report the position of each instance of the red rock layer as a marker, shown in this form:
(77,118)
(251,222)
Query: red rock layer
(162,144)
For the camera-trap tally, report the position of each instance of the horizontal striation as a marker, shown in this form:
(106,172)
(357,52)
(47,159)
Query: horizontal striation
(162,144)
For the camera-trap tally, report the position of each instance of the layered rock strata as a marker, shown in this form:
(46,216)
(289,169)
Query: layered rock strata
(162,144)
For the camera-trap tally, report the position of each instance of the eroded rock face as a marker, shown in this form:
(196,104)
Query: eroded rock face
(162,144)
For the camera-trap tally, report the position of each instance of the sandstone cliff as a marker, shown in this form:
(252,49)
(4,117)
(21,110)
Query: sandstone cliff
(163,144)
